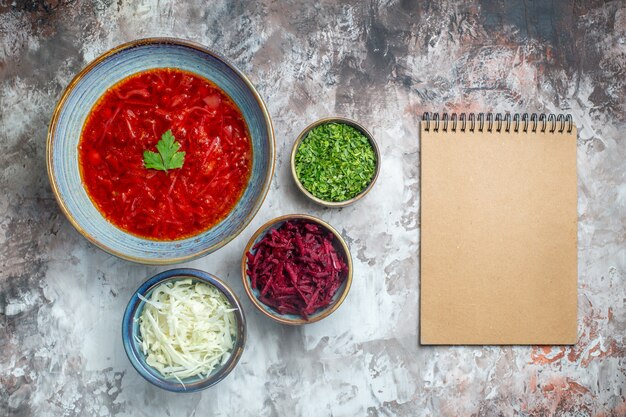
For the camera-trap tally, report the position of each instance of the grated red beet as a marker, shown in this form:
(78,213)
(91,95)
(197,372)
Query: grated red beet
(296,268)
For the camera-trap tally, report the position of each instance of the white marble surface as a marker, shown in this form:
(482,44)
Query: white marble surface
(381,63)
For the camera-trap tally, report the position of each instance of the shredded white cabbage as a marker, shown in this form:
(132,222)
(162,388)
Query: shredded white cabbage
(187,328)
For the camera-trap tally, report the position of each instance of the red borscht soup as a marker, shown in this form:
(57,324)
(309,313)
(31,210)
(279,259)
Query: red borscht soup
(152,185)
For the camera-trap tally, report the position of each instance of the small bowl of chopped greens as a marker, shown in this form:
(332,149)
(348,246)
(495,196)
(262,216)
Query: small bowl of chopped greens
(335,162)
(184,330)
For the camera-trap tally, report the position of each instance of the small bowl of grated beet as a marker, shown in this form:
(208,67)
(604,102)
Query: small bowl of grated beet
(297,269)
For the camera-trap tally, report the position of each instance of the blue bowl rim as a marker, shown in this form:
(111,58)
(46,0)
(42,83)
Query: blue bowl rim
(274,315)
(61,103)
(132,351)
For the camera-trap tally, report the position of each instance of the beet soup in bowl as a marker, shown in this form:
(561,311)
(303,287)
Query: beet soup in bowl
(160,151)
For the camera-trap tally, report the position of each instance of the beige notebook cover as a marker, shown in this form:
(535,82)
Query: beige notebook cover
(498,260)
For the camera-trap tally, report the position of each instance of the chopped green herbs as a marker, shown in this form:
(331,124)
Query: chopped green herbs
(168,157)
(335,162)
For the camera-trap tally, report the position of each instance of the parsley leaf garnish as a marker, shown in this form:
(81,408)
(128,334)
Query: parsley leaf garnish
(168,157)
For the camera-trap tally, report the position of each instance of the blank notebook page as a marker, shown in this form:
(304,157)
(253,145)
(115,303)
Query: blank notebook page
(498,260)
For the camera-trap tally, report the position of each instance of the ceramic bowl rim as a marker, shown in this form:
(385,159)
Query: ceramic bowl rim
(260,306)
(130,347)
(350,122)
(52,178)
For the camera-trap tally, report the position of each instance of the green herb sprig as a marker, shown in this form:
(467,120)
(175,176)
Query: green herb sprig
(168,157)
(335,162)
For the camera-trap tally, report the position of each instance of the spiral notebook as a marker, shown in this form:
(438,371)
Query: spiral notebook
(498,253)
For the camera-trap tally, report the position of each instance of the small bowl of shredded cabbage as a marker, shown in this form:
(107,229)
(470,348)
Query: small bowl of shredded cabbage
(184,330)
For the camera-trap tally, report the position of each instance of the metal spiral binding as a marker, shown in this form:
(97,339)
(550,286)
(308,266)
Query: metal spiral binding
(498,122)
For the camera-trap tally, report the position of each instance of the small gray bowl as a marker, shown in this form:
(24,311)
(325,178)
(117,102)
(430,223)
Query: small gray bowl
(305,132)
(130,329)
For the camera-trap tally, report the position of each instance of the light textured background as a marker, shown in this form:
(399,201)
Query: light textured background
(381,63)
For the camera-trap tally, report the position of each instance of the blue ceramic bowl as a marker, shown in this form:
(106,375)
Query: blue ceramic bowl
(130,329)
(85,90)
(292,319)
